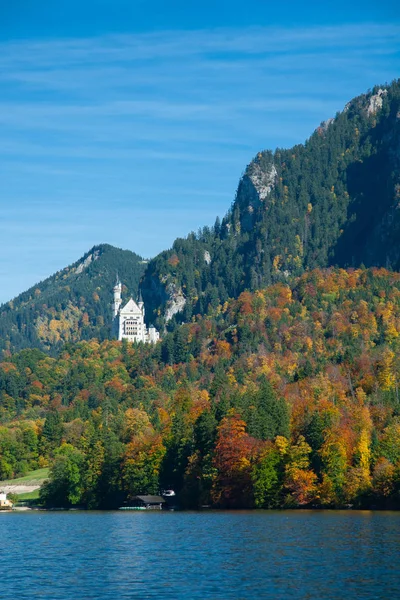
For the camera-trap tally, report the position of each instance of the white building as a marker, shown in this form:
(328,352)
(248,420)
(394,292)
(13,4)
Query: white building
(128,321)
(4,503)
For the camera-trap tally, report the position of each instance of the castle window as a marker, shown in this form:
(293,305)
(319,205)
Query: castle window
(130,327)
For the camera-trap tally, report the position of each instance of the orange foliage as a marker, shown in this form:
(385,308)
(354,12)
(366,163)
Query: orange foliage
(173,260)
(233,452)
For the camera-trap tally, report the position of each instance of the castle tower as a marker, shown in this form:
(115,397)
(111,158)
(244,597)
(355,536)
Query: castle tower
(117,297)
(140,302)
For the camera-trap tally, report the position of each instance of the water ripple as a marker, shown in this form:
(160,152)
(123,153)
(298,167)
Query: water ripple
(212,555)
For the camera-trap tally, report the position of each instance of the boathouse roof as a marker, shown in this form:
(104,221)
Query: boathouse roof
(150,499)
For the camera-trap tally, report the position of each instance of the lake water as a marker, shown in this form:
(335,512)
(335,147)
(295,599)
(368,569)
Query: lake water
(216,555)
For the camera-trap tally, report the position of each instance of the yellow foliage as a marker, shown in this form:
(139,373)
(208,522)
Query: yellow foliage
(282,444)
(308,343)
(137,424)
(364,452)
(276,262)
(386,376)
(361,396)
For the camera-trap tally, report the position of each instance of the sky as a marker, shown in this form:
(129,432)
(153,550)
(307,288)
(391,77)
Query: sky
(131,122)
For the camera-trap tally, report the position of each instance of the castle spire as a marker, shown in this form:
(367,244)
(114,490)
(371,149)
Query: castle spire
(140,301)
(117,296)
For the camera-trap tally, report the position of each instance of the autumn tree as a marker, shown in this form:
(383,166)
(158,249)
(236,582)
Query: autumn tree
(232,460)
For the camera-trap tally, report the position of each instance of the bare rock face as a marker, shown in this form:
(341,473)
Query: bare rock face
(325,125)
(263,180)
(176,302)
(84,264)
(207,257)
(376,102)
(254,188)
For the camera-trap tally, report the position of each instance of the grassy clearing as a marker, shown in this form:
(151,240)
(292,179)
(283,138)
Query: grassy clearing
(28,496)
(34,477)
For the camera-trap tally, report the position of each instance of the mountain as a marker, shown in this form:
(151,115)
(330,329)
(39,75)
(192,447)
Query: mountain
(71,305)
(283,396)
(332,201)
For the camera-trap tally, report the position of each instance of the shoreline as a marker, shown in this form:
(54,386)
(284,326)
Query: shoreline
(202,510)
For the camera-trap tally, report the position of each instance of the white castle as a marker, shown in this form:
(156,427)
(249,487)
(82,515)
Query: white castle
(128,322)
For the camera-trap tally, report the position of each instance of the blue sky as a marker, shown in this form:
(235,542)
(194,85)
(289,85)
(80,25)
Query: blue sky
(131,122)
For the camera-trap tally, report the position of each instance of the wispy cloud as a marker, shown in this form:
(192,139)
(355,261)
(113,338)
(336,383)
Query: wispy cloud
(173,44)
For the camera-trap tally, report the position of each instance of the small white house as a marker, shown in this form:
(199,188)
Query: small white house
(4,503)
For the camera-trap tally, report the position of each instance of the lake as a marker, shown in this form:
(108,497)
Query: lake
(217,555)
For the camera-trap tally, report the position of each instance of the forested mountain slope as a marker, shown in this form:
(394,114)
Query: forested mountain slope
(288,396)
(333,200)
(73,304)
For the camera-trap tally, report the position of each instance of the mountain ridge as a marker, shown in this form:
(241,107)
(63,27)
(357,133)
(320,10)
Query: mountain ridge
(333,200)
(330,201)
